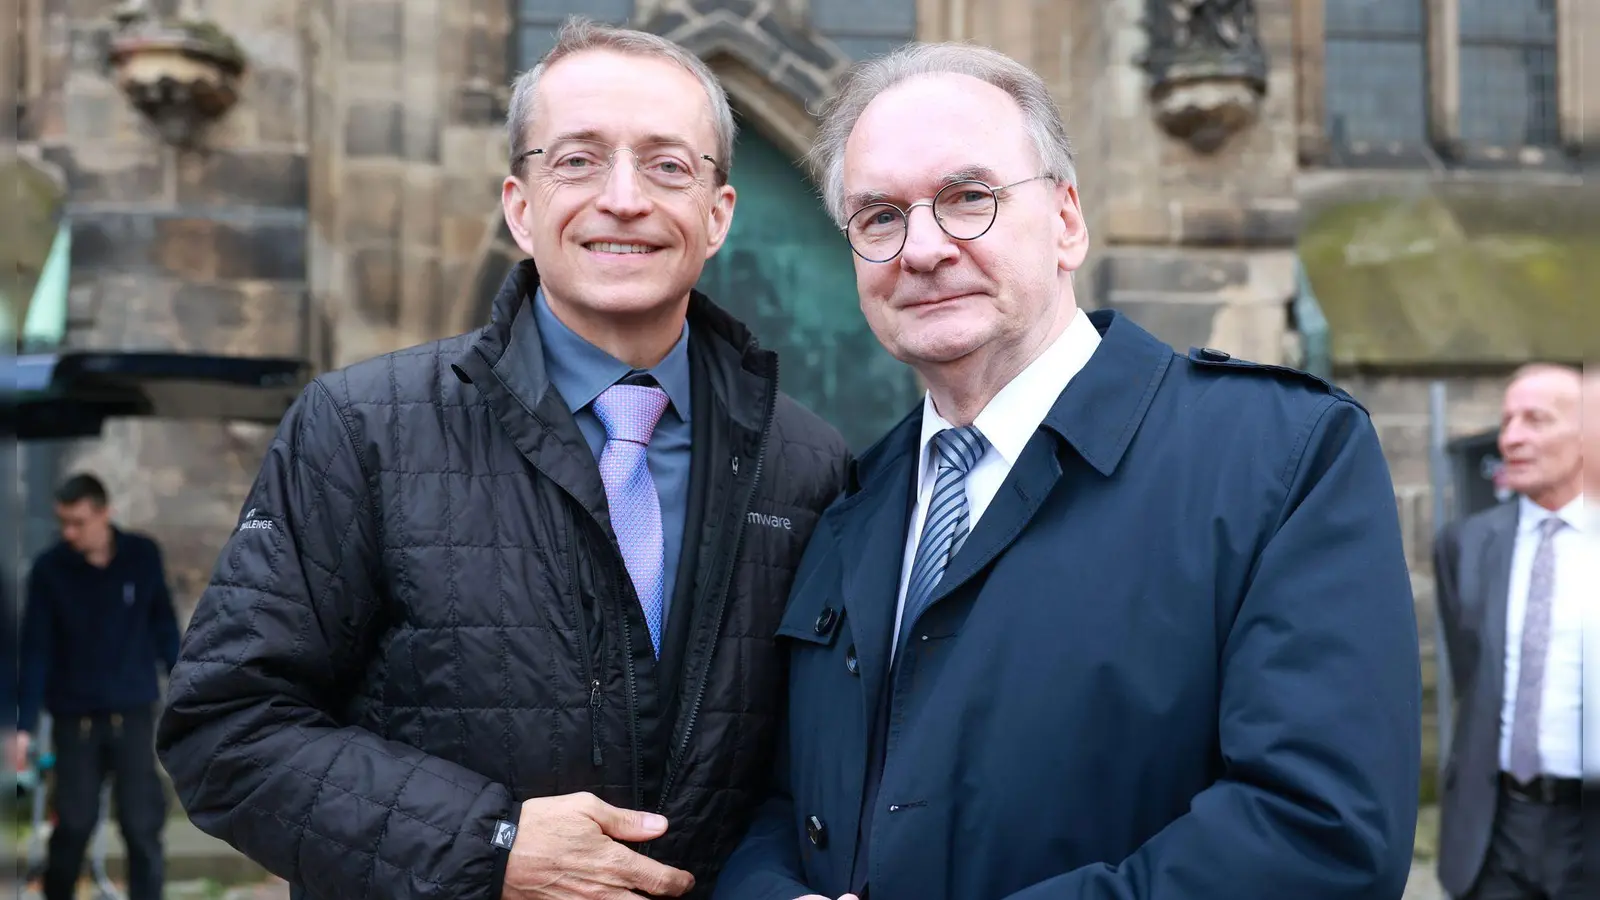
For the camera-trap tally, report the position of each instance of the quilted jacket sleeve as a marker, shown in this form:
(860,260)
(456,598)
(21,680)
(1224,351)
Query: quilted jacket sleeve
(251,734)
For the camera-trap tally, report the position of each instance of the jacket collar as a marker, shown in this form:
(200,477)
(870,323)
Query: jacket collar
(1098,414)
(742,371)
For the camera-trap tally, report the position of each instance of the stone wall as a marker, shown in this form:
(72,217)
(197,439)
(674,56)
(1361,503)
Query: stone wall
(194,251)
(1400,412)
(410,101)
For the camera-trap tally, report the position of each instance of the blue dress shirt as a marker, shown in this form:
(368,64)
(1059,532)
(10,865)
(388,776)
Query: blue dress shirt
(581,371)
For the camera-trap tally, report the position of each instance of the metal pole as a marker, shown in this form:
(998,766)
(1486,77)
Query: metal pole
(1439,475)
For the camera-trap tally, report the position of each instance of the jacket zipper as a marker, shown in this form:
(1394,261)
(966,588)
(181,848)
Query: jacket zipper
(589,673)
(633,689)
(675,761)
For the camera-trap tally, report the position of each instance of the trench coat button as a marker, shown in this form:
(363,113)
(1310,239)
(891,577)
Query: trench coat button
(851,661)
(825,619)
(1214,355)
(816,832)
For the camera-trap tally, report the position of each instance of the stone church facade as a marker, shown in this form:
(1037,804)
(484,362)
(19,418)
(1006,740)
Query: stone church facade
(1273,178)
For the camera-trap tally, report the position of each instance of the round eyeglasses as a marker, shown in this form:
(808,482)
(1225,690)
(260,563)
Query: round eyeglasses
(668,165)
(965,210)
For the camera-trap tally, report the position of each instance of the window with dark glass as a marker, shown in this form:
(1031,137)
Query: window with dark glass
(863,30)
(537,22)
(1508,73)
(1375,74)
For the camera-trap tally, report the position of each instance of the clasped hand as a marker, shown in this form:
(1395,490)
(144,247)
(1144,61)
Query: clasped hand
(567,848)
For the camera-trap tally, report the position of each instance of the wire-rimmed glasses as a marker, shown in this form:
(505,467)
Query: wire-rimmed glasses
(965,210)
(668,165)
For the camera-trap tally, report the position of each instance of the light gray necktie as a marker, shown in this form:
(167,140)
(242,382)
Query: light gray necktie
(1525,762)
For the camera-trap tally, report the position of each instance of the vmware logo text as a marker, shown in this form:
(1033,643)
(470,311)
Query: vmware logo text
(762,519)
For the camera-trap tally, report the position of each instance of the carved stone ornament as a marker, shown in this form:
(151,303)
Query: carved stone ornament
(1207,68)
(181,73)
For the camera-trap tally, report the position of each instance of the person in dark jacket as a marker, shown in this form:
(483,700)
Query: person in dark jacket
(498,617)
(97,629)
(1100,620)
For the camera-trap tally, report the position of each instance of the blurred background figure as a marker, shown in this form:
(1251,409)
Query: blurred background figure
(97,626)
(1510,585)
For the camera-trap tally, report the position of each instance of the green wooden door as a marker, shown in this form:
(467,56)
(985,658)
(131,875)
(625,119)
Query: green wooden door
(786,272)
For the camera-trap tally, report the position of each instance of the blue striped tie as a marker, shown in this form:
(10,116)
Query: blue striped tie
(958,450)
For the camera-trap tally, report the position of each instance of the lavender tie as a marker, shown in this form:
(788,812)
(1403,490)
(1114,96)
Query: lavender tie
(629,413)
(1525,762)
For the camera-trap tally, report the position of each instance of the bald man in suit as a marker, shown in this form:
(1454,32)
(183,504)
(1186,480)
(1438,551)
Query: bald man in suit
(1512,599)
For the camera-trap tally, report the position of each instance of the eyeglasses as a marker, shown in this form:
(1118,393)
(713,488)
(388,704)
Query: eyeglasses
(664,164)
(965,210)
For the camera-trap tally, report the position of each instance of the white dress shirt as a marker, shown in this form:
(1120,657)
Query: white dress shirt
(1007,422)
(1561,710)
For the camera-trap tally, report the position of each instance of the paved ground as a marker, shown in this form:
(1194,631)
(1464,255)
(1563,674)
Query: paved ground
(216,872)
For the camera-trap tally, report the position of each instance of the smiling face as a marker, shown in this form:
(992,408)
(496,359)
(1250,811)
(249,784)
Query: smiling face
(619,250)
(1540,438)
(943,301)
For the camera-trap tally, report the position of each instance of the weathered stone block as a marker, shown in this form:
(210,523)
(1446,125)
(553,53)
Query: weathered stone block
(243,178)
(796,42)
(1182,324)
(372,31)
(277,99)
(1405,447)
(1174,273)
(737,8)
(1237,225)
(112,241)
(479,105)
(420,220)
(461,236)
(374,128)
(421,294)
(422,127)
(755,48)
(259,319)
(187,248)
(371,210)
(109,173)
(375,283)
(666,22)
(800,83)
(264,249)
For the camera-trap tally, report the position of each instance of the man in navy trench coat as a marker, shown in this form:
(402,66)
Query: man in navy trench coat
(1156,634)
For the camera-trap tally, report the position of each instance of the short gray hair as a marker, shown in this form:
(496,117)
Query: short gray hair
(866,80)
(579,34)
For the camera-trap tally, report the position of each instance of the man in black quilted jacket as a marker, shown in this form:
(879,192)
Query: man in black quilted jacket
(497,621)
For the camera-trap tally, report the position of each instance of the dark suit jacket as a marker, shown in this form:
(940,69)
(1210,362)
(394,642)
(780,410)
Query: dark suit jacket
(1176,658)
(1472,568)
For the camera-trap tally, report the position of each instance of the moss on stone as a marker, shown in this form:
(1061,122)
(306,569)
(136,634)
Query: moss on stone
(1459,275)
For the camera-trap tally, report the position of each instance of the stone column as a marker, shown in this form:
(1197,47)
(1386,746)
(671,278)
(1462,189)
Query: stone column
(199,251)
(1578,24)
(1444,74)
(1310,54)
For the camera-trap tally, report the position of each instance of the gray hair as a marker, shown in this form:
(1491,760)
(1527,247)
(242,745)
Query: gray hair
(579,34)
(866,80)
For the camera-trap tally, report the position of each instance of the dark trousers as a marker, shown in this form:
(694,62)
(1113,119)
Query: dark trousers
(1535,852)
(88,749)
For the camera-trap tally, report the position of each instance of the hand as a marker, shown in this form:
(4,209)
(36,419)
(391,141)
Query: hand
(566,848)
(20,743)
